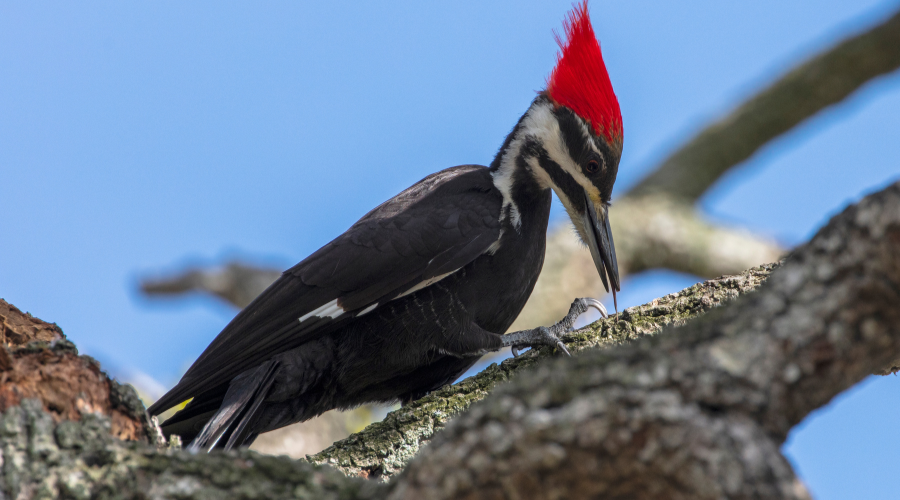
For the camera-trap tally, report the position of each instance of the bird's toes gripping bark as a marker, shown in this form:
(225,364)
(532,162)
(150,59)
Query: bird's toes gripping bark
(540,336)
(578,307)
(544,336)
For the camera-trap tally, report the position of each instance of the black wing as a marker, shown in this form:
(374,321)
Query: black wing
(435,227)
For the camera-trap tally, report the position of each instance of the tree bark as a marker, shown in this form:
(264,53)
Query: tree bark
(81,460)
(696,412)
(701,411)
(383,449)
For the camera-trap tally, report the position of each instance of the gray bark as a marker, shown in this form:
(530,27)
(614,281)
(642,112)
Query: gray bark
(80,460)
(697,411)
(700,411)
(384,448)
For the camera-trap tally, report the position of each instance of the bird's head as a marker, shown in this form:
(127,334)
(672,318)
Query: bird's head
(570,140)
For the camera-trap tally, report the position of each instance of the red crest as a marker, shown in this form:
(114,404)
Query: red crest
(580,81)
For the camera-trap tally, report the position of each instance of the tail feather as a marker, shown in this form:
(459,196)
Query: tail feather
(243,399)
(238,435)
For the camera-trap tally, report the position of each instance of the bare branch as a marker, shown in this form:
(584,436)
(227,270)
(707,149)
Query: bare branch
(236,282)
(701,411)
(803,92)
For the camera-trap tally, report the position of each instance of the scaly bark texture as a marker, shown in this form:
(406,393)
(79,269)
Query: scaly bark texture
(697,412)
(701,411)
(81,460)
(45,456)
(38,362)
(384,448)
(18,329)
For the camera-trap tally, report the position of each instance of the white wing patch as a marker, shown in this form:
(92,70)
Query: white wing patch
(367,310)
(423,284)
(329,310)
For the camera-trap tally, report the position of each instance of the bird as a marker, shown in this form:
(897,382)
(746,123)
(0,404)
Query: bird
(416,291)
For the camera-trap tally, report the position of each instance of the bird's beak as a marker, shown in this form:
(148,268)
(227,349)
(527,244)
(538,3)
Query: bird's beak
(599,239)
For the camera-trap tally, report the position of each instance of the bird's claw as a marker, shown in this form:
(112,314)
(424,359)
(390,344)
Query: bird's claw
(589,302)
(541,336)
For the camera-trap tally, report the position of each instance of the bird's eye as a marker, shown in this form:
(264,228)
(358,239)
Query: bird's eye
(592,167)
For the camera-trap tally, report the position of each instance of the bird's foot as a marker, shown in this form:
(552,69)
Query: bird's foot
(545,336)
(578,307)
(541,336)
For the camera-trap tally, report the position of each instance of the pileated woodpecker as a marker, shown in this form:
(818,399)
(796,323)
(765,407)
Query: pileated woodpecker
(410,296)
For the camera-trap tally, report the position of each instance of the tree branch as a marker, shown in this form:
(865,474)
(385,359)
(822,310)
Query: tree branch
(383,449)
(80,460)
(235,282)
(800,94)
(701,411)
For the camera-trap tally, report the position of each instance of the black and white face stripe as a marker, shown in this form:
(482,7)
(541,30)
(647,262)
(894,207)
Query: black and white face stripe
(554,145)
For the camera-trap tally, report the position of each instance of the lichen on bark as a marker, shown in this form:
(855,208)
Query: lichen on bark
(82,460)
(700,411)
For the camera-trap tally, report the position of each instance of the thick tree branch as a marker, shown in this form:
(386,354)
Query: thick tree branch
(384,448)
(701,411)
(80,460)
(38,363)
(800,94)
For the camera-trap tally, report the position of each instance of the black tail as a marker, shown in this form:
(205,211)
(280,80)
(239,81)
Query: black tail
(224,413)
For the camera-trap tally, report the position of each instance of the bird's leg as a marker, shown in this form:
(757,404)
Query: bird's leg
(544,336)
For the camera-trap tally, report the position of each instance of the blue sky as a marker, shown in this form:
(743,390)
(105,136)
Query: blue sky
(136,137)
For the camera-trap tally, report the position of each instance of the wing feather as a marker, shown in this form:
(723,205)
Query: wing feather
(437,226)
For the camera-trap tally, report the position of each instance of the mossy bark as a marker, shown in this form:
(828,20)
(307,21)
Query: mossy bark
(81,460)
(699,412)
